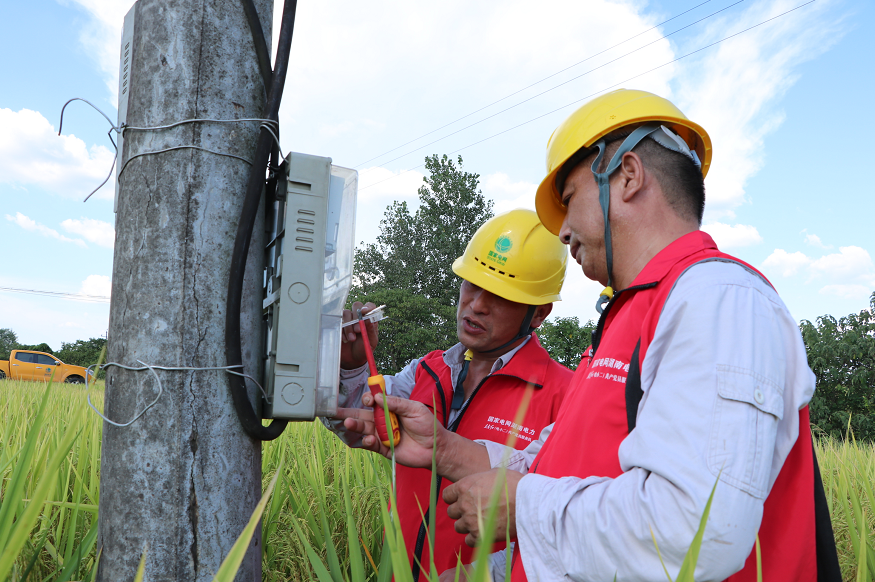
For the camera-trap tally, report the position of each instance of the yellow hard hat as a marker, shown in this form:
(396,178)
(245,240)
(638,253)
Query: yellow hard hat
(596,119)
(513,256)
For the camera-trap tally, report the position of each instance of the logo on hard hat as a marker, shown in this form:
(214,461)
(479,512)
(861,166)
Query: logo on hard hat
(503,244)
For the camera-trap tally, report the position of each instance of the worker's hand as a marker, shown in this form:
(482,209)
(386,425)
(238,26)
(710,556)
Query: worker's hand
(352,350)
(417,429)
(468,501)
(450,575)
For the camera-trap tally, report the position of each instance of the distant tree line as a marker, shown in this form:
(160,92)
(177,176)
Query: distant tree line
(79,353)
(841,354)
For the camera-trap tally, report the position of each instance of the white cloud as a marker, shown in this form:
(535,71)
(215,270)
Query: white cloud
(31,225)
(96,285)
(41,319)
(96,231)
(33,154)
(407,68)
(384,184)
(849,264)
(814,240)
(852,292)
(784,263)
(378,187)
(101,37)
(850,271)
(508,194)
(733,90)
(729,237)
(579,295)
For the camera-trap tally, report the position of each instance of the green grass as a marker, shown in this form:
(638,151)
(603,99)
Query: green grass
(324,520)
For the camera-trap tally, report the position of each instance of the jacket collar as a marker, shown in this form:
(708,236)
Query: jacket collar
(683,247)
(529,364)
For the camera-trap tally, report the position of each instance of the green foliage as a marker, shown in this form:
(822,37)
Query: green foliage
(43,347)
(325,509)
(566,340)
(8,341)
(326,495)
(49,462)
(82,353)
(842,355)
(409,268)
(417,325)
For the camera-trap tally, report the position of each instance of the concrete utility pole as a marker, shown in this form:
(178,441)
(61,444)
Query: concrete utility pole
(182,481)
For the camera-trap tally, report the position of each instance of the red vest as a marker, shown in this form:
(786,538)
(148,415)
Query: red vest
(595,413)
(489,415)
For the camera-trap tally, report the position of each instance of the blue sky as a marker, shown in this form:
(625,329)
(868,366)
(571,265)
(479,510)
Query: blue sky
(786,104)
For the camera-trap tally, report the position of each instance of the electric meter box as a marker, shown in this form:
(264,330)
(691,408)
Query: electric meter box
(308,259)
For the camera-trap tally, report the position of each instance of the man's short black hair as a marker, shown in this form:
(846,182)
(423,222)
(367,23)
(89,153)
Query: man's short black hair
(678,176)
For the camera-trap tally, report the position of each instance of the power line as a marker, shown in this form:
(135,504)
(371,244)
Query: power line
(542,80)
(561,84)
(601,91)
(73,296)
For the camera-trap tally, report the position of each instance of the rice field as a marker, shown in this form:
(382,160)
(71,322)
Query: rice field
(324,519)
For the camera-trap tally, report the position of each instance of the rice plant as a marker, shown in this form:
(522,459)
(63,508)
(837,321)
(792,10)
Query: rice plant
(325,519)
(848,471)
(49,462)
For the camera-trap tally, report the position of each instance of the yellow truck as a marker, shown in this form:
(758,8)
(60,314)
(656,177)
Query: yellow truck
(39,366)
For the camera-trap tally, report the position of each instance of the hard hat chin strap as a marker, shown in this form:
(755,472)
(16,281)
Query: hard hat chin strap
(525,329)
(603,179)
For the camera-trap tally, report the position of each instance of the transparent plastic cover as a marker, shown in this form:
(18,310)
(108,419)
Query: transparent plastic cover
(339,246)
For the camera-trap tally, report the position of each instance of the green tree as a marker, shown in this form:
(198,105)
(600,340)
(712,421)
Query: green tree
(566,340)
(8,342)
(841,354)
(81,352)
(43,347)
(409,267)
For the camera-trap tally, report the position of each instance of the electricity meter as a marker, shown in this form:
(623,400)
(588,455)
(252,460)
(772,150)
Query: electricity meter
(308,259)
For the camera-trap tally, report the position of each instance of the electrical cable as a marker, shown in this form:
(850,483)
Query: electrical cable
(266,123)
(142,412)
(170,149)
(596,93)
(74,296)
(508,96)
(275,137)
(227,369)
(124,127)
(262,52)
(526,100)
(113,127)
(61,124)
(251,421)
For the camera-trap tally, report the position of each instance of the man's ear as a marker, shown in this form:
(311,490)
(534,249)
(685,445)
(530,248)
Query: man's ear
(631,176)
(542,312)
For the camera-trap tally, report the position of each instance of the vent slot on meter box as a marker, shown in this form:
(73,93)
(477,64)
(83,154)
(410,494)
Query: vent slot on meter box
(308,273)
